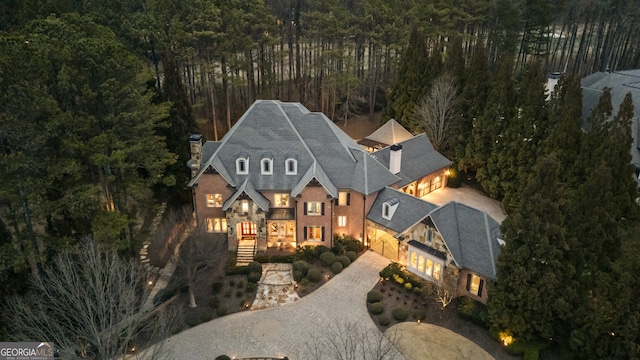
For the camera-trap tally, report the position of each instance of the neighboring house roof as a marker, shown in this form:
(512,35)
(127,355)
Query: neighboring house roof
(470,235)
(411,210)
(419,159)
(620,83)
(282,129)
(248,189)
(390,133)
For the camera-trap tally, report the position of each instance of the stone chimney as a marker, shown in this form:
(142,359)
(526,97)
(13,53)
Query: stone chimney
(195,143)
(395,158)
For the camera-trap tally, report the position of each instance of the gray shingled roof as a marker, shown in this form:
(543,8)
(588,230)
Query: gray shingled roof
(271,126)
(248,189)
(411,210)
(470,235)
(620,83)
(419,159)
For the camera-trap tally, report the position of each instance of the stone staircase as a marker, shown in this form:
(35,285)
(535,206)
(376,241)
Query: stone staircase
(246,251)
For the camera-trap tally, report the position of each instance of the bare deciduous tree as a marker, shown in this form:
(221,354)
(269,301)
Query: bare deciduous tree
(435,112)
(445,292)
(89,303)
(350,341)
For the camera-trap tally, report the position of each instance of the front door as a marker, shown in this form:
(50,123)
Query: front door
(248,230)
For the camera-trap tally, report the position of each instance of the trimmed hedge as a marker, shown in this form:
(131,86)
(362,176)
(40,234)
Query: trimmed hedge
(223,357)
(336,268)
(261,258)
(343,260)
(400,314)
(297,276)
(328,258)
(376,308)
(374,296)
(254,266)
(301,266)
(319,250)
(254,277)
(314,275)
(419,314)
(282,259)
(384,320)
(352,255)
(472,310)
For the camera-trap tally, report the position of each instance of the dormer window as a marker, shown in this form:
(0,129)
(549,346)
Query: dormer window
(242,165)
(389,208)
(291,165)
(266,166)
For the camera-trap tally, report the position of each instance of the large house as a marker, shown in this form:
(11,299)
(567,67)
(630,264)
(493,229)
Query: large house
(285,177)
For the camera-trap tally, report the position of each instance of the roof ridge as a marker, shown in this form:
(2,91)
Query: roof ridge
(295,130)
(333,127)
(486,225)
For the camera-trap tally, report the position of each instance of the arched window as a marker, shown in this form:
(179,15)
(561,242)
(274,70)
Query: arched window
(266,166)
(242,166)
(291,167)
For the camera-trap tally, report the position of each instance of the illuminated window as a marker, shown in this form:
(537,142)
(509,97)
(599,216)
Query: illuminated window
(313,233)
(314,208)
(436,271)
(344,198)
(245,206)
(474,284)
(342,221)
(214,200)
(413,260)
(216,225)
(281,200)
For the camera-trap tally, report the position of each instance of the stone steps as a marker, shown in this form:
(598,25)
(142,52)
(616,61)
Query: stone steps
(245,254)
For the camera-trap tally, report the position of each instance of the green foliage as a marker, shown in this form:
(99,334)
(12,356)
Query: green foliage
(261,258)
(376,308)
(214,302)
(314,275)
(344,260)
(301,266)
(336,268)
(374,296)
(319,250)
(251,287)
(472,310)
(351,255)
(327,258)
(254,277)
(384,320)
(222,357)
(221,311)
(216,286)
(348,243)
(288,259)
(419,314)
(254,266)
(297,276)
(198,316)
(400,314)
(389,270)
(306,252)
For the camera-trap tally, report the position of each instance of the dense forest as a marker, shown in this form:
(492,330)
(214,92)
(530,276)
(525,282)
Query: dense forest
(97,99)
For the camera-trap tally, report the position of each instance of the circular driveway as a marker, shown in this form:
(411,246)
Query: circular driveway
(286,330)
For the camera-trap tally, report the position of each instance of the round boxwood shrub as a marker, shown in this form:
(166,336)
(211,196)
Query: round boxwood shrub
(221,311)
(374,296)
(319,250)
(297,276)
(214,301)
(351,255)
(251,287)
(254,267)
(216,286)
(400,314)
(328,258)
(301,266)
(384,320)
(376,308)
(254,277)
(419,314)
(223,357)
(344,260)
(314,275)
(336,268)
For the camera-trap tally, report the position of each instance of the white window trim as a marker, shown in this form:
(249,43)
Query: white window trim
(295,167)
(342,220)
(416,271)
(266,162)
(246,166)
(388,208)
(319,208)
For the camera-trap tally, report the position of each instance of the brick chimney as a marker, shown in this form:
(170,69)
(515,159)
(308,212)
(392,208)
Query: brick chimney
(195,143)
(395,158)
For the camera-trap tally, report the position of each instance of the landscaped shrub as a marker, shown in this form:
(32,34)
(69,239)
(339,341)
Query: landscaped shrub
(216,286)
(400,314)
(297,276)
(288,259)
(164,295)
(237,270)
(214,302)
(314,275)
(419,314)
(408,286)
(192,320)
(254,266)
(251,287)
(389,270)
(254,277)
(350,244)
(328,258)
(343,260)
(319,250)
(306,252)
(376,308)
(261,258)
(336,268)
(301,266)
(221,311)
(374,296)
(337,249)
(351,255)
(304,282)
(223,357)
(384,320)
(472,310)
(239,293)
(198,316)
(240,284)
(205,315)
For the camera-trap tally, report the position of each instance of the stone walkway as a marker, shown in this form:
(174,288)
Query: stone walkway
(286,330)
(276,287)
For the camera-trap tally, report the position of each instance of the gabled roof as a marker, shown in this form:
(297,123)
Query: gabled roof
(470,235)
(419,159)
(315,172)
(411,210)
(282,129)
(248,189)
(390,133)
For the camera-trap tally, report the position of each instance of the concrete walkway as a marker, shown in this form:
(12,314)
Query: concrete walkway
(470,197)
(286,330)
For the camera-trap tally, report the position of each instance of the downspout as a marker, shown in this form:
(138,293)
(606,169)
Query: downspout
(364,221)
